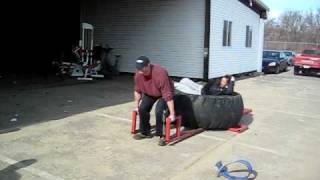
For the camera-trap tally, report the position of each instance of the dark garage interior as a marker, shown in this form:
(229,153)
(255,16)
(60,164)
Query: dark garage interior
(39,33)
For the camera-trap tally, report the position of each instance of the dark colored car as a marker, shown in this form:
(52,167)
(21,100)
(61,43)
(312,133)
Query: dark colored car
(308,62)
(290,55)
(274,61)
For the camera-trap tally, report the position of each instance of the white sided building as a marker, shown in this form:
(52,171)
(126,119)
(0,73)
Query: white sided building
(190,38)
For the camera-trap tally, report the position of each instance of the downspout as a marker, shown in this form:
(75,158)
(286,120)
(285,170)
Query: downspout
(206,41)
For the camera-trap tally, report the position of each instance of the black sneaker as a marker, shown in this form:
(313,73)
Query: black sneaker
(140,136)
(162,142)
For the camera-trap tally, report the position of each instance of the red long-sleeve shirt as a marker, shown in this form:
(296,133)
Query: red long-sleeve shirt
(157,84)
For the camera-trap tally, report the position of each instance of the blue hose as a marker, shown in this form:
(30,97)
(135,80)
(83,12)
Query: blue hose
(223,170)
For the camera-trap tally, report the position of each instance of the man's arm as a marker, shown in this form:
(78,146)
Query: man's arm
(229,90)
(137,98)
(171,109)
(166,88)
(137,93)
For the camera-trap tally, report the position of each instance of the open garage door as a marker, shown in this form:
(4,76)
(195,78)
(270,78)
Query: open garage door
(170,32)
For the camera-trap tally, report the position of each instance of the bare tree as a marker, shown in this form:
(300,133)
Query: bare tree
(271,30)
(294,26)
(317,24)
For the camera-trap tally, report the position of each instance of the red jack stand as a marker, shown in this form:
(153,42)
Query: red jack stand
(134,122)
(241,127)
(168,138)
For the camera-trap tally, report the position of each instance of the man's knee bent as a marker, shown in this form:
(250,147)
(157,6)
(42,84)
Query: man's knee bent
(161,108)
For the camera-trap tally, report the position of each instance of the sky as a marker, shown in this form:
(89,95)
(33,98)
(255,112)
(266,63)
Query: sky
(278,6)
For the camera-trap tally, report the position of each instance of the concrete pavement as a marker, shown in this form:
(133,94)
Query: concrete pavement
(93,140)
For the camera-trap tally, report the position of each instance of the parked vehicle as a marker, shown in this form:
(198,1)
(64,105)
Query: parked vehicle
(290,55)
(274,61)
(308,62)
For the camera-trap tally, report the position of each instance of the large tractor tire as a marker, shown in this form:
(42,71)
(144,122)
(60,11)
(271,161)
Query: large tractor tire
(209,112)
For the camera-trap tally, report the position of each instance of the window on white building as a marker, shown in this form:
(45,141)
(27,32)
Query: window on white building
(249,36)
(227,29)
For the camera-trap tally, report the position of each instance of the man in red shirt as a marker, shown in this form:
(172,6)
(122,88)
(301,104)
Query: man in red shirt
(152,83)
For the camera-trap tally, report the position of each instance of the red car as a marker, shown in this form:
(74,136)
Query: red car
(308,62)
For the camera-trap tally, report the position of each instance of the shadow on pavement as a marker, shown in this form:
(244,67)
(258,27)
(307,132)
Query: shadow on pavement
(23,105)
(10,172)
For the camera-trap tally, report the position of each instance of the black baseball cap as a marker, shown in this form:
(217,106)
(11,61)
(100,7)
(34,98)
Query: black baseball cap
(142,62)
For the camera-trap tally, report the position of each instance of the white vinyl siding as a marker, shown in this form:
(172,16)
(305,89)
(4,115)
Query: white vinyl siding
(235,58)
(169,32)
